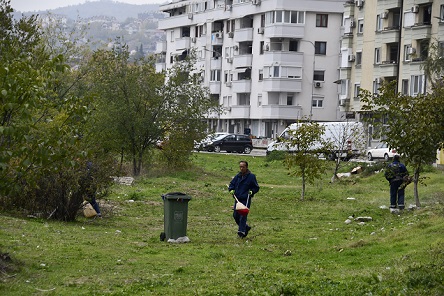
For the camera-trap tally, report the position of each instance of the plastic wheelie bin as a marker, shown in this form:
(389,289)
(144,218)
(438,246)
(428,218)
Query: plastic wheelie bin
(175,216)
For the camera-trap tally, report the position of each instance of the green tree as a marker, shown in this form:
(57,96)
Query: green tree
(130,113)
(187,102)
(413,125)
(307,144)
(40,123)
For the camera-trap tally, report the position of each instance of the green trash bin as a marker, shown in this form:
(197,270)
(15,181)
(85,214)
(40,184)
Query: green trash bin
(175,216)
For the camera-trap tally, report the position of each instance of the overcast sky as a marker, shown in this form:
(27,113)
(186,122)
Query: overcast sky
(34,5)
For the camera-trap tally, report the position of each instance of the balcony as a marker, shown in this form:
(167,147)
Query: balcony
(283,57)
(243,35)
(389,34)
(282,85)
(161,47)
(217,38)
(284,31)
(183,43)
(388,68)
(241,86)
(215,87)
(245,60)
(160,67)
(420,31)
(240,111)
(216,63)
(281,112)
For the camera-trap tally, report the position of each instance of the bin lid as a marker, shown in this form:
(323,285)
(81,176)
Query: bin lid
(175,195)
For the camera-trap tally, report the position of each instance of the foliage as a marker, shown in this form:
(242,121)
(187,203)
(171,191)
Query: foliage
(307,143)
(415,124)
(294,248)
(41,121)
(187,102)
(434,64)
(130,113)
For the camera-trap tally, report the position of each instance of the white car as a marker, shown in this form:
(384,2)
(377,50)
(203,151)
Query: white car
(381,151)
(202,145)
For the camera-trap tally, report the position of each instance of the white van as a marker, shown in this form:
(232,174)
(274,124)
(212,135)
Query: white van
(348,139)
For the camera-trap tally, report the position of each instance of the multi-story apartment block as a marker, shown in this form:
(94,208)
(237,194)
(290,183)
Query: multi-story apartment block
(267,62)
(386,40)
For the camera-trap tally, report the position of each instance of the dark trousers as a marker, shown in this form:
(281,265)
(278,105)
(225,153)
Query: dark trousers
(396,195)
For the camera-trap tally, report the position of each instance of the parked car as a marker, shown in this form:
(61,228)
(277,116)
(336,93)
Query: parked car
(381,151)
(231,143)
(202,145)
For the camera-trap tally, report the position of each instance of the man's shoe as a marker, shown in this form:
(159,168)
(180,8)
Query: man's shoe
(241,234)
(248,230)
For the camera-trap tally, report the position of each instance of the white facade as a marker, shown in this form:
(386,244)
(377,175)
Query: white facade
(387,40)
(258,58)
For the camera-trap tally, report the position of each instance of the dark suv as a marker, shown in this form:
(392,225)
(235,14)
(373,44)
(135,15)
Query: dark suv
(231,143)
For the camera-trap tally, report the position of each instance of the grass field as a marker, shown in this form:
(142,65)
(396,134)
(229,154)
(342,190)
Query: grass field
(294,248)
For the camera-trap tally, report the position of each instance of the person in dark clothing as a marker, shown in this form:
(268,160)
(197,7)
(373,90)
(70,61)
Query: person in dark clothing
(396,173)
(244,186)
(90,188)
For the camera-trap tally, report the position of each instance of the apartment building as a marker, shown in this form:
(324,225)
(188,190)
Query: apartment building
(267,62)
(386,40)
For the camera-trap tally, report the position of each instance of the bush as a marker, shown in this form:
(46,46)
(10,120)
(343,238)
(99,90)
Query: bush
(276,155)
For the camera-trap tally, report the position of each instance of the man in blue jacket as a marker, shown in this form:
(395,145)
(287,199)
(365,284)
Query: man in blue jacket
(395,174)
(244,186)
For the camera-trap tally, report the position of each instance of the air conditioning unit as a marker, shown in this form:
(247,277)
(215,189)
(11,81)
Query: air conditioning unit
(229,60)
(260,30)
(352,23)
(230,34)
(411,50)
(193,39)
(218,35)
(342,102)
(282,122)
(317,84)
(351,57)
(378,80)
(190,16)
(266,47)
(415,9)
(384,15)
(256,2)
(228,83)
(228,8)
(236,47)
(359,3)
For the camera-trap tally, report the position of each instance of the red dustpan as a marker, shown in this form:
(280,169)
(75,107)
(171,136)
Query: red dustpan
(240,207)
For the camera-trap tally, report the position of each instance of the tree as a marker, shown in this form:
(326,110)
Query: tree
(40,123)
(130,115)
(411,124)
(188,103)
(307,144)
(349,136)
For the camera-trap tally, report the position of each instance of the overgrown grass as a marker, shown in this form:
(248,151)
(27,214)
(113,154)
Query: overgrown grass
(295,247)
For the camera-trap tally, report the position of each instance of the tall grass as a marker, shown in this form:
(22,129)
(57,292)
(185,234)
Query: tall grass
(294,248)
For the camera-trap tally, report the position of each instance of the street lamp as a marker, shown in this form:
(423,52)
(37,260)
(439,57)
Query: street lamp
(312,77)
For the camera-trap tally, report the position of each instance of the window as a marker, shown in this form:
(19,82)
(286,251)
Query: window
(318,75)
(379,23)
(376,85)
(360,26)
(261,74)
(283,72)
(259,100)
(358,58)
(356,90)
(321,47)
(230,26)
(281,16)
(405,86)
(441,48)
(441,13)
(261,48)
(317,102)
(276,71)
(417,84)
(322,20)
(377,56)
(289,100)
(407,52)
(215,75)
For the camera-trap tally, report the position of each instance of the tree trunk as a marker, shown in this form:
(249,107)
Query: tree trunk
(303,185)
(415,187)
